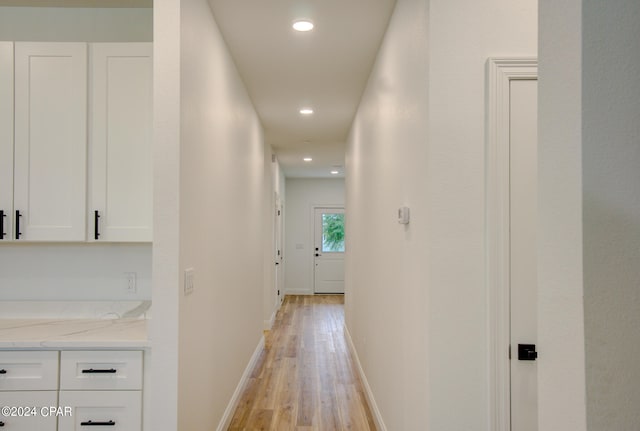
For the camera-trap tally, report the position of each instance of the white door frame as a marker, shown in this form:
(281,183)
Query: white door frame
(500,73)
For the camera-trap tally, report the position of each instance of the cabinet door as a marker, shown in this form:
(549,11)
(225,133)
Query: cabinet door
(50,141)
(120,145)
(113,410)
(6,140)
(29,410)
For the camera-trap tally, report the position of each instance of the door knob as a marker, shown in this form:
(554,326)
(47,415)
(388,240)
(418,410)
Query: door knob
(527,352)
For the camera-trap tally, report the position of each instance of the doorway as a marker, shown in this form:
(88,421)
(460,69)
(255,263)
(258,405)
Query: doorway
(511,241)
(328,255)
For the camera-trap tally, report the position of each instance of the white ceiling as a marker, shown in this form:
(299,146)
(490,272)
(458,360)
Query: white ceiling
(284,70)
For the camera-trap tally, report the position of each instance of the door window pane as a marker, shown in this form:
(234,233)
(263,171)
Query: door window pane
(333,233)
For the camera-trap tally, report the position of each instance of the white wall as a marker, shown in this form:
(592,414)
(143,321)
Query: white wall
(463,34)
(40,24)
(561,366)
(74,272)
(611,211)
(302,195)
(416,299)
(590,225)
(590,164)
(209,198)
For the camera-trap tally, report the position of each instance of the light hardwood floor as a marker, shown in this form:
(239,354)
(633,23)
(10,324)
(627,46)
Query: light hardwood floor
(305,378)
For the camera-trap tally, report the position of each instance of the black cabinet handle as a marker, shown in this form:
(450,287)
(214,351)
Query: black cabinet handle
(3,371)
(96,228)
(1,424)
(98,424)
(100,371)
(18,233)
(2,216)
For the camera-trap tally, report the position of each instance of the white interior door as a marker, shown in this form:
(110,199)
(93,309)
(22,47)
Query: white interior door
(329,250)
(523,272)
(279,252)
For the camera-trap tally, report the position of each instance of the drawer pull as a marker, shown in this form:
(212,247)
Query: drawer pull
(1,424)
(97,424)
(92,371)
(3,371)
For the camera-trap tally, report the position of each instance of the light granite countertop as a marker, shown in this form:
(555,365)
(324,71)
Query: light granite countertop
(65,333)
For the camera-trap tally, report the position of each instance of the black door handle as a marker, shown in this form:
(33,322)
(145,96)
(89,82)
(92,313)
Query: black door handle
(18,233)
(527,352)
(94,424)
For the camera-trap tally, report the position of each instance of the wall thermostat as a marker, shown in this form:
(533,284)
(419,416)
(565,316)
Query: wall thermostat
(403,215)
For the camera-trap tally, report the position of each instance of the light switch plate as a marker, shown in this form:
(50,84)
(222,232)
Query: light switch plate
(188,280)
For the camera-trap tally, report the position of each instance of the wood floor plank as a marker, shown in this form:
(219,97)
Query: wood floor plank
(305,378)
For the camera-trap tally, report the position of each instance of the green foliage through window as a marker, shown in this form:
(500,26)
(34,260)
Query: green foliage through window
(332,232)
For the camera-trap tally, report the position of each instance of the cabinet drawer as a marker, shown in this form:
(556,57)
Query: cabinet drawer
(101,370)
(24,418)
(112,410)
(28,370)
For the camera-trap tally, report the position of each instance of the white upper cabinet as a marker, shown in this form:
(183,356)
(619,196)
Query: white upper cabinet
(50,141)
(120,150)
(6,140)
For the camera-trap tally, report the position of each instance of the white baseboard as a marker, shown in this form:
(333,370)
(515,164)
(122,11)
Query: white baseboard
(268,324)
(298,292)
(235,399)
(377,417)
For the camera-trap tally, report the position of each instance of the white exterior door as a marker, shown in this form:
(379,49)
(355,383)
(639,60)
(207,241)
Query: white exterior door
(329,250)
(523,268)
(6,141)
(50,141)
(121,194)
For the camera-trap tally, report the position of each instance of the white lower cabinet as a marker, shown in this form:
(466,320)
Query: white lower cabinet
(28,410)
(112,410)
(71,390)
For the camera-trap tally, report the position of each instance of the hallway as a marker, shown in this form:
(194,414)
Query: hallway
(305,378)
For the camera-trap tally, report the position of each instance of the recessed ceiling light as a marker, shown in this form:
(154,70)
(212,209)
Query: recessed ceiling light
(334,172)
(303,25)
(306,111)
(307,159)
